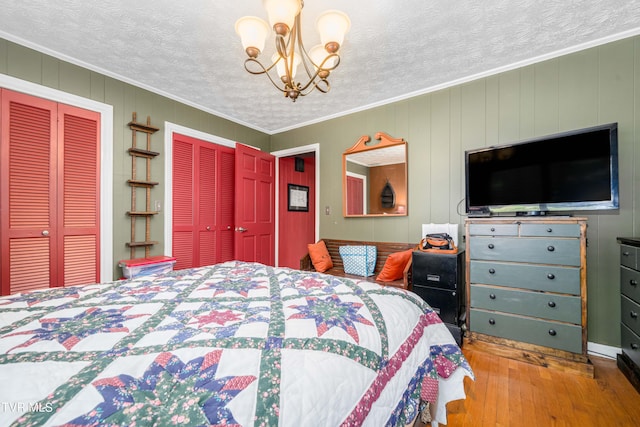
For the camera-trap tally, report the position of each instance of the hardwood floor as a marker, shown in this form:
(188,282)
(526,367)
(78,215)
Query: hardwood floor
(512,393)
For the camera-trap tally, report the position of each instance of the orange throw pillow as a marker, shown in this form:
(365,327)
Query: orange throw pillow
(394,266)
(320,257)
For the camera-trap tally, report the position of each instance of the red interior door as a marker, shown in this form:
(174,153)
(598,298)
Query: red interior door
(49,194)
(203,200)
(28,204)
(78,196)
(255,205)
(355,196)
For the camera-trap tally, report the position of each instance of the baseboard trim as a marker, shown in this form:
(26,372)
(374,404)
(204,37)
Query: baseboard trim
(602,350)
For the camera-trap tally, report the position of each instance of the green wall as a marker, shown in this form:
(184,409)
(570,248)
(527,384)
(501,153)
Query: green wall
(26,64)
(598,85)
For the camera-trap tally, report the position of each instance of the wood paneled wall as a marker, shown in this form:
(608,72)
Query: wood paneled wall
(597,85)
(594,86)
(27,64)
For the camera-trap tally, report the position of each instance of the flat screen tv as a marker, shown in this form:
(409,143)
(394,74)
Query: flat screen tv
(569,171)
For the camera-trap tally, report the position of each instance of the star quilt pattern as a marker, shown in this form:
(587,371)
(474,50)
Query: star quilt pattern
(234,344)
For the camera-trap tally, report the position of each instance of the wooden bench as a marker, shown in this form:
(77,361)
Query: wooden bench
(384,249)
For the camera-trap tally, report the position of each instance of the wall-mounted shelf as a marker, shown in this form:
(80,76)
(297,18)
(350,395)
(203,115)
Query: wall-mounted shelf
(144,184)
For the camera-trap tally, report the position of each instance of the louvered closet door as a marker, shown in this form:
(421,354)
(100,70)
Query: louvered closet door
(78,195)
(48,186)
(202,202)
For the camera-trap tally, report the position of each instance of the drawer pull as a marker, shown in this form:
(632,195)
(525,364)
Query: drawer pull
(493,229)
(492,271)
(551,304)
(633,315)
(634,346)
(625,253)
(551,248)
(633,282)
(552,332)
(551,276)
(549,230)
(492,321)
(492,296)
(490,246)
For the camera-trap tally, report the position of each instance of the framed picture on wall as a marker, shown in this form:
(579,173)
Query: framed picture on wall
(298,198)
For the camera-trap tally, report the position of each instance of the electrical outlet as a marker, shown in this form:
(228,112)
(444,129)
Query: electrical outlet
(157,205)
(327,210)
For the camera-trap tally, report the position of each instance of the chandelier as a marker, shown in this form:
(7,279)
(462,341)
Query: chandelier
(317,63)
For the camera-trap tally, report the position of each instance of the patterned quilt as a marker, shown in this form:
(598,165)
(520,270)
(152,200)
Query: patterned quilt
(234,344)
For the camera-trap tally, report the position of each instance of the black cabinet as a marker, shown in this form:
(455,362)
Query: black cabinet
(439,280)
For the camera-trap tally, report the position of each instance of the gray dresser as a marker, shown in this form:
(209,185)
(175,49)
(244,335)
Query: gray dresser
(629,359)
(527,296)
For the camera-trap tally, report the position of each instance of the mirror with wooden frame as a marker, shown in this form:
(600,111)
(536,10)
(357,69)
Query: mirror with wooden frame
(374,177)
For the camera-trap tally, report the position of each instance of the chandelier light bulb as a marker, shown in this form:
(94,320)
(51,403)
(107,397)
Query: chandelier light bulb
(332,26)
(253,33)
(318,54)
(283,63)
(282,14)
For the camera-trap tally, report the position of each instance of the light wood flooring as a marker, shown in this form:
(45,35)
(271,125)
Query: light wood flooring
(512,393)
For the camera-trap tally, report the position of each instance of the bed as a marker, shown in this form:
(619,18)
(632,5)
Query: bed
(235,343)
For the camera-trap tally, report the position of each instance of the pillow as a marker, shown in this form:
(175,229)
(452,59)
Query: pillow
(358,260)
(394,266)
(320,257)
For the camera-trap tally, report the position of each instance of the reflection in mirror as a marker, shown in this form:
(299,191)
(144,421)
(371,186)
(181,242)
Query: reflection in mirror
(374,181)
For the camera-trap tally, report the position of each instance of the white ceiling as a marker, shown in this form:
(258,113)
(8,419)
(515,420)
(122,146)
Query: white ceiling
(188,49)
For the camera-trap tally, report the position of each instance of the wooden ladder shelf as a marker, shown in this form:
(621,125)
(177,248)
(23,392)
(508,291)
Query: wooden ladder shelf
(145,184)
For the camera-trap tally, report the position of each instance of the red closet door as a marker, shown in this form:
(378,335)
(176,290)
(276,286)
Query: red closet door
(183,199)
(202,202)
(28,204)
(48,194)
(79,195)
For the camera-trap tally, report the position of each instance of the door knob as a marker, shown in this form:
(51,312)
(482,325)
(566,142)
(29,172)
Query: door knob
(45,232)
(241,229)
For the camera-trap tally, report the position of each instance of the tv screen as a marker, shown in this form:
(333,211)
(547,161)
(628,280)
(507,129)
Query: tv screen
(576,170)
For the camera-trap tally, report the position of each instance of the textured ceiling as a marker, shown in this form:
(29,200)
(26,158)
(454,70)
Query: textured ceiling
(188,49)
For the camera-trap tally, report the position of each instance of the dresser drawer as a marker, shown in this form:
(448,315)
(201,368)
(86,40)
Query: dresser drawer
(629,256)
(549,306)
(550,278)
(631,344)
(550,230)
(526,249)
(629,314)
(630,283)
(493,229)
(562,336)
